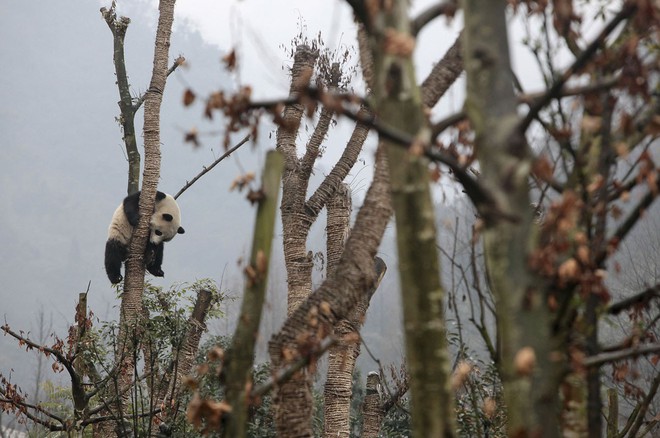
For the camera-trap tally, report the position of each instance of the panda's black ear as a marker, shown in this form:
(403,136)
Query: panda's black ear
(168,217)
(180,230)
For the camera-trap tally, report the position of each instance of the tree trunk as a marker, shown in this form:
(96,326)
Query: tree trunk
(372,407)
(315,318)
(131,304)
(341,357)
(528,375)
(240,356)
(399,104)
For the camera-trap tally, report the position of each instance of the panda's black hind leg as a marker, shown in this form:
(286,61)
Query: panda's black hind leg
(115,254)
(153,259)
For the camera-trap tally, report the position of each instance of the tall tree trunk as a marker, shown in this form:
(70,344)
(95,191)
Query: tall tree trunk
(341,358)
(131,304)
(294,189)
(398,103)
(338,387)
(294,400)
(530,387)
(240,356)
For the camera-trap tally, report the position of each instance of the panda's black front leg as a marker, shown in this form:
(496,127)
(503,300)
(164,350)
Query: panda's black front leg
(153,259)
(115,254)
(131,208)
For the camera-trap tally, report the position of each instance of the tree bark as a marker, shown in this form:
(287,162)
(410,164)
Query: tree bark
(314,319)
(398,103)
(298,215)
(118,27)
(443,75)
(131,304)
(294,224)
(372,407)
(338,387)
(528,375)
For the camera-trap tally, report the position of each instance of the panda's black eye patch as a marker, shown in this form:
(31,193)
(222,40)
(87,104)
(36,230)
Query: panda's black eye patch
(158,233)
(168,217)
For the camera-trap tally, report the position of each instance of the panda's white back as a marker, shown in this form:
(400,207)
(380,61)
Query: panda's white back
(119,228)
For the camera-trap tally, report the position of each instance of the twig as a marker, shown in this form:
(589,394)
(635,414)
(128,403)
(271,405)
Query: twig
(448,7)
(637,299)
(206,169)
(531,98)
(58,355)
(48,424)
(603,358)
(439,127)
(483,200)
(628,9)
(643,406)
(627,224)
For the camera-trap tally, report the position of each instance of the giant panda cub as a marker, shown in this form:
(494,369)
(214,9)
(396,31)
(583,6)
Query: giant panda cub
(164,225)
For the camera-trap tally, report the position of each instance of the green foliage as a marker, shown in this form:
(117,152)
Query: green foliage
(262,421)
(480,409)
(397,421)
(169,311)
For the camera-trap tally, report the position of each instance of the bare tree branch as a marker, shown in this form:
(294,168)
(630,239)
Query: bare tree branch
(613,356)
(208,168)
(640,299)
(629,8)
(628,223)
(448,7)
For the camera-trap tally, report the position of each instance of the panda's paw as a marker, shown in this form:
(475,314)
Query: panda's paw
(116,279)
(159,273)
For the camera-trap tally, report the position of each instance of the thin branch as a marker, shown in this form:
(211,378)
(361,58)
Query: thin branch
(638,350)
(440,126)
(207,169)
(51,426)
(480,195)
(448,8)
(627,225)
(606,83)
(41,348)
(628,10)
(641,298)
(643,406)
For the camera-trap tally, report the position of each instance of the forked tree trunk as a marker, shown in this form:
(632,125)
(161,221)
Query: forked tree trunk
(316,316)
(298,214)
(295,227)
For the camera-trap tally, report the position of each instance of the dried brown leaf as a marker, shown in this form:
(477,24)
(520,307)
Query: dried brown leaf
(188,97)
(525,361)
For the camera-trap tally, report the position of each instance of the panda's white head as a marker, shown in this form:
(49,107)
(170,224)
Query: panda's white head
(166,220)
